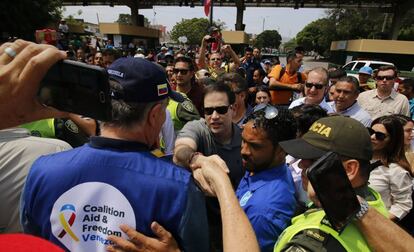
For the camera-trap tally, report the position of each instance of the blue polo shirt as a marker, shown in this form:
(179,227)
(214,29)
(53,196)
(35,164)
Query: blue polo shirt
(77,198)
(268,199)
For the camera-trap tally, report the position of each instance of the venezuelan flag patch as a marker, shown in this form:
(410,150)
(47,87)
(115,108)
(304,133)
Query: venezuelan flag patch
(162,89)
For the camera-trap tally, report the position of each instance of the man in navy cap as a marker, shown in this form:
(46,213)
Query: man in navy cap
(79,198)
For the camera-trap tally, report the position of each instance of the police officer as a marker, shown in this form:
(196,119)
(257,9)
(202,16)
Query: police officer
(311,231)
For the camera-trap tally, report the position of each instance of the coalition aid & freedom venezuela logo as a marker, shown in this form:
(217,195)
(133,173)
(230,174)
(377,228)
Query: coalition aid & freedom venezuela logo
(84,216)
(66,224)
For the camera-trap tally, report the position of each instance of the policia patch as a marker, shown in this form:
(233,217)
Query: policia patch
(313,240)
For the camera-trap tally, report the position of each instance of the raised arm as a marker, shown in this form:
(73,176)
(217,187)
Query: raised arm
(236,61)
(202,64)
(184,151)
(382,234)
(22,66)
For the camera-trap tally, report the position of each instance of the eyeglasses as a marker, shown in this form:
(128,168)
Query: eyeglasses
(380,136)
(221,110)
(182,71)
(215,59)
(389,77)
(270,111)
(317,86)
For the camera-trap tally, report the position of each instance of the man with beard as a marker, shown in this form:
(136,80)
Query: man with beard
(266,192)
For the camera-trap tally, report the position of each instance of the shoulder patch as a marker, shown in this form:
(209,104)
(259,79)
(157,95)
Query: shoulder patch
(188,105)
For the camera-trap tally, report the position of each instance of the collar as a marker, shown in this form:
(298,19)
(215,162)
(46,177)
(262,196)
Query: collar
(364,192)
(118,144)
(355,104)
(392,95)
(235,140)
(264,177)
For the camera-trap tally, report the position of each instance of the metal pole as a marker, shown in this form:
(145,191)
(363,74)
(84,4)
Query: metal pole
(263,24)
(211,13)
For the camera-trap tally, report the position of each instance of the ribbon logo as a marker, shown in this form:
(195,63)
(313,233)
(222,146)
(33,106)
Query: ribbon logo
(66,224)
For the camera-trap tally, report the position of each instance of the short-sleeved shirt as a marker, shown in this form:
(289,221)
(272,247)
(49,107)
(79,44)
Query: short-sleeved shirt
(208,145)
(77,198)
(395,103)
(354,111)
(284,95)
(302,100)
(18,151)
(268,199)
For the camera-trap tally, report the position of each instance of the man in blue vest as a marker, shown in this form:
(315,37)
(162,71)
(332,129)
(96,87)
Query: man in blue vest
(80,197)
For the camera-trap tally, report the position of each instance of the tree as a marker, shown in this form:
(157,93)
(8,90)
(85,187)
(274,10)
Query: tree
(194,29)
(290,45)
(268,38)
(124,19)
(317,36)
(127,19)
(21,18)
(347,24)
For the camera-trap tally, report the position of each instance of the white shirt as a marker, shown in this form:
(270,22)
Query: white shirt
(301,101)
(395,186)
(354,111)
(293,165)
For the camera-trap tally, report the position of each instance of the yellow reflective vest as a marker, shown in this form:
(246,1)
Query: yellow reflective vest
(351,238)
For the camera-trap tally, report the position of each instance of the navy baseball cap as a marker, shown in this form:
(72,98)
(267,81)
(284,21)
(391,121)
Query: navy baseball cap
(142,81)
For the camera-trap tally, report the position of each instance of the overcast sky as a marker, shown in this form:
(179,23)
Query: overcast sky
(287,20)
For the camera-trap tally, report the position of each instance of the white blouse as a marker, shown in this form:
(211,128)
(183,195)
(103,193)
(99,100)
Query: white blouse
(395,186)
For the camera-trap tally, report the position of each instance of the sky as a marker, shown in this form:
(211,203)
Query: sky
(286,20)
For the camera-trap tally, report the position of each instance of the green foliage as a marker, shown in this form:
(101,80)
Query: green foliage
(317,35)
(194,29)
(127,19)
(124,19)
(268,38)
(347,24)
(290,45)
(21,18)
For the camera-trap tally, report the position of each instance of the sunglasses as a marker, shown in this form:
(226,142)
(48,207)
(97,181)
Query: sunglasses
(389,77)
(270,111)
(215,59)
(317,86)
(182,71)
(221,110)
(380,136)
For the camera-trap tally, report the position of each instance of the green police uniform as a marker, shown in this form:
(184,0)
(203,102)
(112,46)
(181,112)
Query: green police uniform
(63,129)
(181,113)
(311,231)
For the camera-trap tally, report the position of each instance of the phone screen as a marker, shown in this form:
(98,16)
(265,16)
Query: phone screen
(78,88)
(334,190)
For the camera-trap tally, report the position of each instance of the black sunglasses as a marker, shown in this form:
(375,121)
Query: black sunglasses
(389,77)
(378,135)
(182,71)
(317,86)
(270,112)
(221,110)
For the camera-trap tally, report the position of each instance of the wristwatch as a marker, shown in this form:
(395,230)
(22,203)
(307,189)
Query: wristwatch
(363,210)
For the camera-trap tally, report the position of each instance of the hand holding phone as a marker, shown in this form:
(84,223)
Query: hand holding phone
(79,88)
(334,190)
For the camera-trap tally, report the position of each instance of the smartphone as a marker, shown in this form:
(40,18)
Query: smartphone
(211,40)
(334,190)
(78,88)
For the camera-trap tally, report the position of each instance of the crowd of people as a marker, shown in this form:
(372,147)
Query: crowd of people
(206,150)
